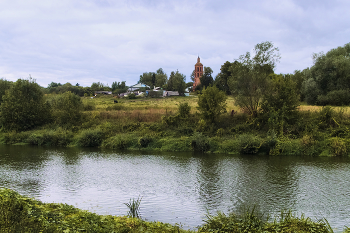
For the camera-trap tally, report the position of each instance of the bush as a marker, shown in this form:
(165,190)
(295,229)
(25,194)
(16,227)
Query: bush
(131,96)
(90,138)
(50,138)
(145,141)
(120,142)
(67,109)
(175,144)
(211,103)
(24,107)
(249,144)
(184,110)
(200,142)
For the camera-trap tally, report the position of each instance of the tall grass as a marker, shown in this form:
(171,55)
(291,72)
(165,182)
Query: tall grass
(134,208)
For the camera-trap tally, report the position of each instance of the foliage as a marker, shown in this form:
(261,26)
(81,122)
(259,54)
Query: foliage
(90,138)
(58,137)
(212,103)
(4,85)
(249,76)
(145,141)
(221,80)
(119,141)
(249,144)
(24,106)
(330,73)
(23,214)
(280,103)
(200,143)
(131,96)
(67,109)
(250,221)
(158,79)
(177,82)
(206,79)
(184,110)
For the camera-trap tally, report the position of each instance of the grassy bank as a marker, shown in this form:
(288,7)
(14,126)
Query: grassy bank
(157,124)
(23,214)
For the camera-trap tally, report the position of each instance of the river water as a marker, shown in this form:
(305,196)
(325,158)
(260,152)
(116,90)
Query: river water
(180,187)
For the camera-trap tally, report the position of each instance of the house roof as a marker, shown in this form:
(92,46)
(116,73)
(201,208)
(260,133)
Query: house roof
(139,85)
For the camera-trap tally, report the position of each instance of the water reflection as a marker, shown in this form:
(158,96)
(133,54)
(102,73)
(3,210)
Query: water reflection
(179,187)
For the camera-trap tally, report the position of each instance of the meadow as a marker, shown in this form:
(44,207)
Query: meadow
(158,124)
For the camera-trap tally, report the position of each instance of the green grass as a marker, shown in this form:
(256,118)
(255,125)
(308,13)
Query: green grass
(22,214)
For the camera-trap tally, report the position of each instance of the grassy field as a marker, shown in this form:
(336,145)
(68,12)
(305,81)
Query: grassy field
(23,214)
(155,124)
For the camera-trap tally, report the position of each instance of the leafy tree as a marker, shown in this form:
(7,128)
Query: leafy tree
(158,79)
(177,82)
(4,85)
(161,78)
(67,109)
(24,107)
(206,79)
(211,103)
(249,76)
(280,103)
(330,73)
(99,87)
(192,75)
(222,78)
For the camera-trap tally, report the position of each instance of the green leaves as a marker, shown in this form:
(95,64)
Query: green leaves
(211,103)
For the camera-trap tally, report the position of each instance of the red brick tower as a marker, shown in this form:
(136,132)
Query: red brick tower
(198,72)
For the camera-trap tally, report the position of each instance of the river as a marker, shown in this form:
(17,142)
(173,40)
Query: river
(180,187)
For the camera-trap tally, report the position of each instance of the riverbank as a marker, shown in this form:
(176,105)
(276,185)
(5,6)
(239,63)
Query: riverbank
(157,125)
(23,214)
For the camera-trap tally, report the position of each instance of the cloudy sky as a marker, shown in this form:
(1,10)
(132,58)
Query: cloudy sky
(85,41)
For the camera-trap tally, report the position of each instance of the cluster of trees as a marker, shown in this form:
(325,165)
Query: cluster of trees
(58,88)
(327,82)
(175,82)
(23,106)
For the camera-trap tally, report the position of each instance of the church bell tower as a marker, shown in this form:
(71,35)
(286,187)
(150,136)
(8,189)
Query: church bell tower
(198,72)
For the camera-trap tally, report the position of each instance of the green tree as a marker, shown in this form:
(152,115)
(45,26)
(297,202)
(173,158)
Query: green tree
(280,103)
(158,79)
(329,74)
(206,79)
(4,85)
(211,103)
(67,109)
(223,77)
(177,82)
(249,76)
(24,106)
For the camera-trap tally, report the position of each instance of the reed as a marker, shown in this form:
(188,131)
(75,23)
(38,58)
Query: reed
(134,208)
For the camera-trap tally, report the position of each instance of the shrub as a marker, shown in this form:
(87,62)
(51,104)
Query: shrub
(200,142)
(24,107)
(249,144)
(337,146)
(120,142)
(211,103)
(90,138)
(50,138)
(175,144)
(145,141)
(67,109)
(184,110)
(131,96)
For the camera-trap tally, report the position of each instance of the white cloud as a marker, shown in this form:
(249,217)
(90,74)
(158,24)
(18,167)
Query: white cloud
(104,40)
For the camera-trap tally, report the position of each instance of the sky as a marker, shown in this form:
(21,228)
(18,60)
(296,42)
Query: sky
(86,41)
